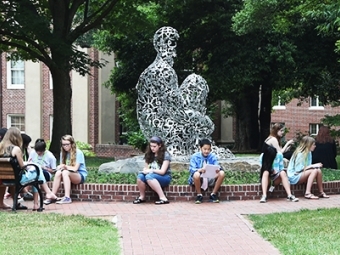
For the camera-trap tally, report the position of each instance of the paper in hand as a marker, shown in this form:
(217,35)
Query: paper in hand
(210,171)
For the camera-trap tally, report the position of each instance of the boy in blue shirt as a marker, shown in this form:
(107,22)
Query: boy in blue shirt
(197,167)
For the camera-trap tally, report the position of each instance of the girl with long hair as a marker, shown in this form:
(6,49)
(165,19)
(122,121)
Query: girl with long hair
(277,131)
(72,169)
(301,170)
(11,146)
(156,172)
(272,168)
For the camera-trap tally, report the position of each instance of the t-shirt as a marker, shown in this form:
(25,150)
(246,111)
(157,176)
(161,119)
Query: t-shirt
(80,159)
(46,160)
(155,165)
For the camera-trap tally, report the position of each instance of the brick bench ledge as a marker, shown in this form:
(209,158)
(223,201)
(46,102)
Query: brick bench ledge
(129,192)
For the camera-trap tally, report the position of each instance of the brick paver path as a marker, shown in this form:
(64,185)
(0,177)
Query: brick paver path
(185,228)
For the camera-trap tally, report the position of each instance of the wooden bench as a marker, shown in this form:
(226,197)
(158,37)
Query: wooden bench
(10,175)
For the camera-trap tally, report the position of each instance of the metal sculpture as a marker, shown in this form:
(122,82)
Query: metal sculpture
(165,109)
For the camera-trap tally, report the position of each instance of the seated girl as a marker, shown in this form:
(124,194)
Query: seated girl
(272,167)
(11,146)
(156,172)
(71,170)
(301,170)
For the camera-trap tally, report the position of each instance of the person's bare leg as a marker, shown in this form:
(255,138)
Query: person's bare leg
(319,180)
(141,187)
(265,183)
(285,182)
(154,185)
(218,183)
(67,183)
(56,182)
(197,182)
(3,205)
(35,200)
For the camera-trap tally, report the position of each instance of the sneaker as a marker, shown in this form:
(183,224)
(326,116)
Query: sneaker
(213,198)
(64,200)
(199,199)
(263,199)
(27,197)
(292,198)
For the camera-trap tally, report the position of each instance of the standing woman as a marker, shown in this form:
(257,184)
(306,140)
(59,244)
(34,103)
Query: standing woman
(301,170)
(156,172)
(72,169)
(274,139)
(325,151)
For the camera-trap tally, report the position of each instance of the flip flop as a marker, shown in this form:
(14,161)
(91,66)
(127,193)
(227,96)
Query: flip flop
(323,195)
(310,196)
(162,202)
(139,201)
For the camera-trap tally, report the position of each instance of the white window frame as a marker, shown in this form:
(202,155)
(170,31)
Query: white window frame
(317,127)
(9,121)
(318,105)
(9,75)
(51,126)
(50,80)
(279,106)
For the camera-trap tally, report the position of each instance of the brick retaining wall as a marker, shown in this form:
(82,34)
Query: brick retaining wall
(128,192)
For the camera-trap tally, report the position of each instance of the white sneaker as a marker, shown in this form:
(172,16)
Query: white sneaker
(263,199)
(292,198)
(64,200)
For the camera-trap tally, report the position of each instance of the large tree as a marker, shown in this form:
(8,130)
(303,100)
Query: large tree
(47,31)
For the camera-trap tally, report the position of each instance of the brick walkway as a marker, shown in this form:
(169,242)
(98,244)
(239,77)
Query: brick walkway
(186,228)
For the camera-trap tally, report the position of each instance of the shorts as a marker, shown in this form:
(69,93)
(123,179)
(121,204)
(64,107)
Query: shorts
(47,175)
(273,177)
(211,181)
(164,180)
(82,179)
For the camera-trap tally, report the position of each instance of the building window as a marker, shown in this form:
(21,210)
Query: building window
(314,129)
(16,120)
(15,74)
(315,103)
(280,105)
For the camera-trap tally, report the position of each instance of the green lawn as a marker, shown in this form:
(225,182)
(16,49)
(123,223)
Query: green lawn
(305,232)
(40,233)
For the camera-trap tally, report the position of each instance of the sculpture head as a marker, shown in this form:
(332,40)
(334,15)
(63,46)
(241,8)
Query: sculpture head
(165,42)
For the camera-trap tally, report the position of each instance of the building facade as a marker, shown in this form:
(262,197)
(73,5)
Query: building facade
(27,101)
(305,118)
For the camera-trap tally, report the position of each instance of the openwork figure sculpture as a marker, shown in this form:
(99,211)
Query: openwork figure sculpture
(165,109)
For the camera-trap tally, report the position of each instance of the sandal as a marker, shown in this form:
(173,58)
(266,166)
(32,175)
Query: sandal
(139,201)
(162,202)
(310,196)
(323,195)
(50,201)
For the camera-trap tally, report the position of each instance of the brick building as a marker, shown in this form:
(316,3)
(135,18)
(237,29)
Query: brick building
(305,118)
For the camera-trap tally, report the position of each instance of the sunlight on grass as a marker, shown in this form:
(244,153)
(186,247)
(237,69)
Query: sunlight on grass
(39,233)
(311,232)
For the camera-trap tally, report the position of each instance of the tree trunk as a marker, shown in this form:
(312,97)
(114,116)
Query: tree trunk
(62,94)
(265,113)
(246,115)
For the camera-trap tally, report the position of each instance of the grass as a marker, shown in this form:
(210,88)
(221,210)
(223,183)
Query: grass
(39,233)
(311,232)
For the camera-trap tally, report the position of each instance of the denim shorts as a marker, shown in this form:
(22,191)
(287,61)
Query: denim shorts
(164,180)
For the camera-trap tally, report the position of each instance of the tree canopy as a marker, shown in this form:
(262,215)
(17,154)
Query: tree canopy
(48,31)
